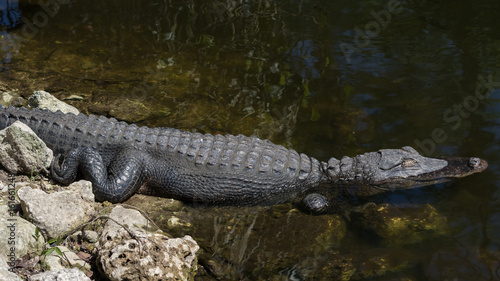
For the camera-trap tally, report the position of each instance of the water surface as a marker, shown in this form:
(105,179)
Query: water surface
(328,78)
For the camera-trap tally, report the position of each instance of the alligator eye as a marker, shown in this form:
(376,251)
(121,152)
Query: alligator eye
(408,162)
(474,162)
(410,150)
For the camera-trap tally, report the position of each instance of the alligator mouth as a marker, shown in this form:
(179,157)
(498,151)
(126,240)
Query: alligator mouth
(457,167)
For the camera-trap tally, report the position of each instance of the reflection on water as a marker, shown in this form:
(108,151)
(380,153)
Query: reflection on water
(328,78)
(10,16)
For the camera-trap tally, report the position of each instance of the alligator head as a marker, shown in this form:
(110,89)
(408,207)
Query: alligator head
(396,169)
(388,170)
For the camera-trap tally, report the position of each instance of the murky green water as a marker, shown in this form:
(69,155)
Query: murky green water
(328,78)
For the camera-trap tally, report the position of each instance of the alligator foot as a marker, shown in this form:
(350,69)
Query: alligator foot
(316,203)
(115,183)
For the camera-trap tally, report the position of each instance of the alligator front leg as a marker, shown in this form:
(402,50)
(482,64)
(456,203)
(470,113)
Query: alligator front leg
(116,183)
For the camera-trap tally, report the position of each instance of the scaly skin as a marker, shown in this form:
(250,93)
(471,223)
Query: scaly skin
(121,159)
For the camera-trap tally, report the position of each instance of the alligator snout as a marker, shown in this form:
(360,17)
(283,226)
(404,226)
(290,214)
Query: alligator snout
(478,164)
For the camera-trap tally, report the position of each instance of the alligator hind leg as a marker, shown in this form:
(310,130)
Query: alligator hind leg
(116,183)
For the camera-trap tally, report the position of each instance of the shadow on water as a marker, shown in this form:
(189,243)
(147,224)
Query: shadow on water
(327,78)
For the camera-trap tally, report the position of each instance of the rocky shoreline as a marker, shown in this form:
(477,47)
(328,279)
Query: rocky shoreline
(118,240)
(66,235)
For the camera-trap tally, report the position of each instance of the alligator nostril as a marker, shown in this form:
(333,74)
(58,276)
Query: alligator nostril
(474,162)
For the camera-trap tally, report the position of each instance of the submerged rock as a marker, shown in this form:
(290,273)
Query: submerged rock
(380,262)
(260,240)
(331,266)
(395,226)
(166,212)
(460,263)
(130,110)
(138,253)
(365,265)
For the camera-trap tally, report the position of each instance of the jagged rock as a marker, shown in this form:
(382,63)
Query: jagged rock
(58,213)
(22,151)
(23,234)
(129,110)
(148,256)
(56,262)
(44,100)
(5,274)
(72,274)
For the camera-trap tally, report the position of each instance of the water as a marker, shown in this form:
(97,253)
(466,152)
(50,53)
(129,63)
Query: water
(328,78)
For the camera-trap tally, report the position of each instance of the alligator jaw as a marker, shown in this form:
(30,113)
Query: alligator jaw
(457,167)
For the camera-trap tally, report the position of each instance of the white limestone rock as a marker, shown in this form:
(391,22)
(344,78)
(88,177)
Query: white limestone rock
(72,274)
(44,100)
(22,151)
(58,213)
(148,256)
(21,235)
(5,274)
(56,262)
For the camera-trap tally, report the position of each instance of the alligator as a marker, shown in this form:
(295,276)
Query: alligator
(121,159)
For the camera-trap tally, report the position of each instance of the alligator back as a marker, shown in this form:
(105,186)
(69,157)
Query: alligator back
(237,164)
